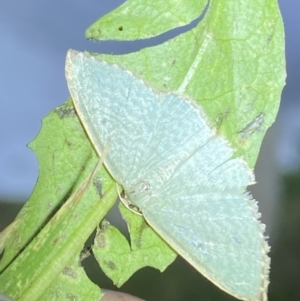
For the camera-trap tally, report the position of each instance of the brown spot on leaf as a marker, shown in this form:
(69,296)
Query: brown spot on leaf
(64,112)
(98,186)
(69,272)
(110,264)
(100,240)
(252,126)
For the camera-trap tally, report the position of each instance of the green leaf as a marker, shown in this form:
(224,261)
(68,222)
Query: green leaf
(50,232)
(120,261)
(137,19)
(232,64)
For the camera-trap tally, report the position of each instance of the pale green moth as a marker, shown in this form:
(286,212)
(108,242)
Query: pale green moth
(177,171)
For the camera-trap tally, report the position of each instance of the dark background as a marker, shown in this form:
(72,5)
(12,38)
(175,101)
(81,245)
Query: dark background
(35,36)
